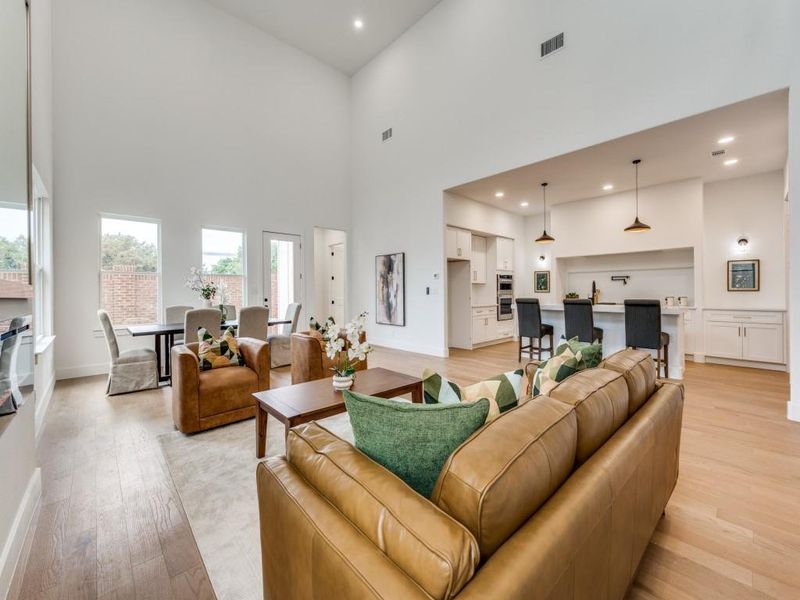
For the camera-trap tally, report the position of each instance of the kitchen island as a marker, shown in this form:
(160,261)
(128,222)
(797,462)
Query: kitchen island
(611,319)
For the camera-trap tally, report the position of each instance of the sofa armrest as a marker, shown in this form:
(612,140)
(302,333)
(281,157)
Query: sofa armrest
(185,388)
(256,356)
(307,362)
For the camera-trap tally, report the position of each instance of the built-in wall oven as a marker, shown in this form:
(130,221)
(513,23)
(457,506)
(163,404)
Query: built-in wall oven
(505,296)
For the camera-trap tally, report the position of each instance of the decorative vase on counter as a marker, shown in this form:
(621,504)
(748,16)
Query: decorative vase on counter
(207,303)
(342,382)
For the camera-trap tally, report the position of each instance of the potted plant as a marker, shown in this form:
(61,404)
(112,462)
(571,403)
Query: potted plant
(223,298)
(198,281)
(347,350)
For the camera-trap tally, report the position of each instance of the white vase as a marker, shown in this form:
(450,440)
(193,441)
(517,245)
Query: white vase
(207,304)
(342,382)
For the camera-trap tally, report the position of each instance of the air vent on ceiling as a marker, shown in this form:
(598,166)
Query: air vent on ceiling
(386,135)
(719,152)
(553,44)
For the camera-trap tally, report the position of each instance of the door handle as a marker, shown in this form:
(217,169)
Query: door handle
(458,251)
(474,276)
(740,331)
(745,332)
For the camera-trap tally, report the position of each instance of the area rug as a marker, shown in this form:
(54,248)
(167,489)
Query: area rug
(215,475)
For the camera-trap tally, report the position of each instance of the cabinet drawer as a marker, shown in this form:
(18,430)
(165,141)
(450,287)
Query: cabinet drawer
(734,316)
(484,311)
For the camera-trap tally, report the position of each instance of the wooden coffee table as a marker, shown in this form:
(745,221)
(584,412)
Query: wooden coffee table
(313,400)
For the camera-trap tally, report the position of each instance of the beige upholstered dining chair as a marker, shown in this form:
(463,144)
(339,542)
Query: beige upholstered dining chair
(209,318)
(176,314)
(129,370)
(254,322)
(280,344)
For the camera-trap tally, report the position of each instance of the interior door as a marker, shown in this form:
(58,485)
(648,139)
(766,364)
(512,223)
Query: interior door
(282,280)
(337,283)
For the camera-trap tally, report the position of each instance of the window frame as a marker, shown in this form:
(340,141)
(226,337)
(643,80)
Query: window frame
(159,262)
(243,233)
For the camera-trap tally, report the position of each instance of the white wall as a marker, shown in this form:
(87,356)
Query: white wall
(179,112)
(467,96)
(752,207)
(595,226)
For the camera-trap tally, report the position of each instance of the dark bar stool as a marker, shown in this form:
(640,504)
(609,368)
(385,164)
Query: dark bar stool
(529,318)
(579,320)
(643,329)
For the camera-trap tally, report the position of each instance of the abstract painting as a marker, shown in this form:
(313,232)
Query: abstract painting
(390,289)
(541,282)
(744,275)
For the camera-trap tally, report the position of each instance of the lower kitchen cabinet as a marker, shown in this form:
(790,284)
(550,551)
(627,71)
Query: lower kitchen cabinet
(486,327)
(745,335)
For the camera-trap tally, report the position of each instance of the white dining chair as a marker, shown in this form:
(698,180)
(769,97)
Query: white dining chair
(280,344)
(129,370)
(176,314)
(208,318)
(254,322)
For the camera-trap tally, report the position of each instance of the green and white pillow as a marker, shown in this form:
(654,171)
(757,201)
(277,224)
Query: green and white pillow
(591,352)
(564,363)
(502,391)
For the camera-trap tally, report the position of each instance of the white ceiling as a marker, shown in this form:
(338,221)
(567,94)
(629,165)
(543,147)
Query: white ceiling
(324,28)
(671,152)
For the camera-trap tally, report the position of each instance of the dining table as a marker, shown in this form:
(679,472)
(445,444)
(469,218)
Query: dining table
(164,338)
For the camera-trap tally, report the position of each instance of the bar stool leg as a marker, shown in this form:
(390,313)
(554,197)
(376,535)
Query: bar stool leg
(666,362)
(658,361)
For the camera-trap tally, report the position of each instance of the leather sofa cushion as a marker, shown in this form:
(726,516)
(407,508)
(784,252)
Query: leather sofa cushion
(639,371)
(500,476)
(222,390)
(600,398)
(431,547)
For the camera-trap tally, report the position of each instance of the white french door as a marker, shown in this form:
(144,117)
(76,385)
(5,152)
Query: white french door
(282,279)
(337,286)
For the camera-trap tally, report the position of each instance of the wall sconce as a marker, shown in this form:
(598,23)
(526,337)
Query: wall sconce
(541,258)
(743,244)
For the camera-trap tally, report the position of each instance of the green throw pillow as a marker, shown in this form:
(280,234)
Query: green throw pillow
(502,391)
(439,390)
(591,352)
(564,363)
(413,441)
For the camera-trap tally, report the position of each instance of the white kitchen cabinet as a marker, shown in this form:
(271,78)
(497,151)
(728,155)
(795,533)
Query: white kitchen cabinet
(505,254)
(484,324)
(723,339)
(689,343)
(762,342)
(745,335)
(458,244)
(478,260)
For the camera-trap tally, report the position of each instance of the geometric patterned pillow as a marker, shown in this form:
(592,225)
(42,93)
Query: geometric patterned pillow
(217,353)
(438,390)
(502,391)
(592,353)
(566,362)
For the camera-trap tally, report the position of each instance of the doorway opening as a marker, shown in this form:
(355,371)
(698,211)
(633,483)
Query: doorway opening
(282,277)
(330,275)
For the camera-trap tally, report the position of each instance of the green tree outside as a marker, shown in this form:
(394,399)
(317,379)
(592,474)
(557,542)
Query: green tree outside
(14,254)
(230,265)
(117,249)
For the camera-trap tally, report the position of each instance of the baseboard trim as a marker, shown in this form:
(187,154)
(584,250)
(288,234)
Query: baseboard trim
(408,347)
(81,371)
(42,405)
(747,364)
(793,411)
(12,548)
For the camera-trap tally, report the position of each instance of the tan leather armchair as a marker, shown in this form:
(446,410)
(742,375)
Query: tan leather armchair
(206,399)
(309,361)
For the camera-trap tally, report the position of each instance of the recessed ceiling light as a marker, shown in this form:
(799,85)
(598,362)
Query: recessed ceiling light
(608,187)
(730,162)
(726,139)
(523,204)
(358,24)
(499,195)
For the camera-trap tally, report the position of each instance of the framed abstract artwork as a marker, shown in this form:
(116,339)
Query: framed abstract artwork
(390,289)
(541,282)
(744,275)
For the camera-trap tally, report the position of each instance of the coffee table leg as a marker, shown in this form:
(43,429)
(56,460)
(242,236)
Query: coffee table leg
(261,431)
(416,394)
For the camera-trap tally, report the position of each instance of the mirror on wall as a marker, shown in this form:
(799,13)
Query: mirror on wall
(15,165)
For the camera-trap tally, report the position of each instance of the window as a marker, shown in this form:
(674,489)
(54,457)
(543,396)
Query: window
(130,269)
(42,260)
(13,242)
(223,259)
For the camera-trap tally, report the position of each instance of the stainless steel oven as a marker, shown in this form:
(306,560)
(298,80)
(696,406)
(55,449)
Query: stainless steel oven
(505,296)
(504,308)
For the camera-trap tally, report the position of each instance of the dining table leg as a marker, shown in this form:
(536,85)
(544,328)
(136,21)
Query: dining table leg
(170,341)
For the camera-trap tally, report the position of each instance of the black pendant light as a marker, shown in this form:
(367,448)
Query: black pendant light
(637,226)
(545,238)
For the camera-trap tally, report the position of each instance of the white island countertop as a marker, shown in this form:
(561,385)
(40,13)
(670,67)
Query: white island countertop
(620,308)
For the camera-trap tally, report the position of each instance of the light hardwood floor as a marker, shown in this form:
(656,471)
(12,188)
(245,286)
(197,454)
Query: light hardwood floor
(111,524)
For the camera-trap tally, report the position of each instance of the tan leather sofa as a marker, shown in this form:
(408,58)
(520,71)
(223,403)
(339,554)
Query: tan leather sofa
(555,499)
(205,399)
(309,361)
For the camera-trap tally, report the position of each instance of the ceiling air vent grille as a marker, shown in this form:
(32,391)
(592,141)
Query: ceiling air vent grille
(386,135)
(553,44)
(718,152)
